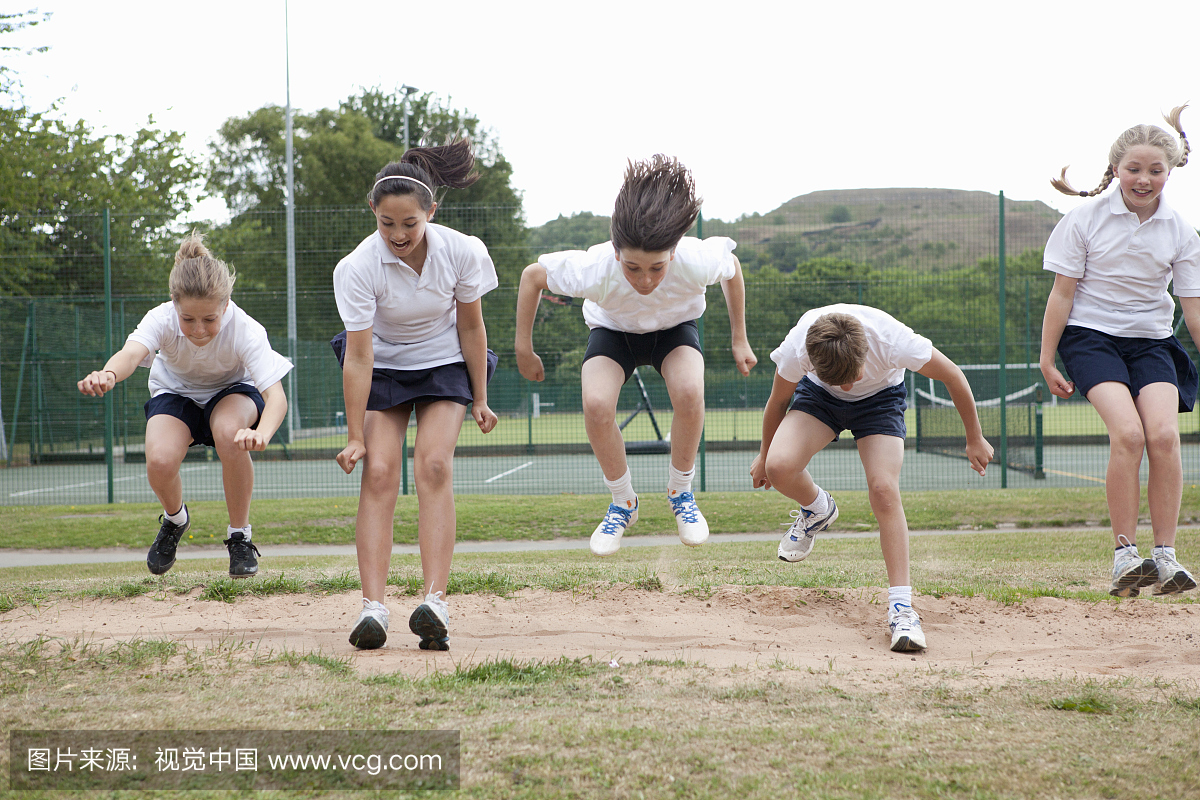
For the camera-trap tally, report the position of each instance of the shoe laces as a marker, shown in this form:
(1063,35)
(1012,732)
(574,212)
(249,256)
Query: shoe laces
(438,601)
(239,547)
(615,521)
(168,532)
(904,616)
(684,505)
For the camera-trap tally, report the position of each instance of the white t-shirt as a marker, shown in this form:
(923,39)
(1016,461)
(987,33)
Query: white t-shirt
(892,347)
(239,353)
(1124,267)
(610,301)
(413,317)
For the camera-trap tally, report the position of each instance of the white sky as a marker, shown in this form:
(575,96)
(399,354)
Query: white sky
(764,101)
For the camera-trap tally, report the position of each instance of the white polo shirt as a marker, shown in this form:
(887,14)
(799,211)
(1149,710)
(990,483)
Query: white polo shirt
(1124,267)
(413,317)
(892,347)
(611,302)
(239,353)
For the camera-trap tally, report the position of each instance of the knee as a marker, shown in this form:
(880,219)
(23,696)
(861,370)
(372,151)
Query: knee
(1162,440)
(1128,440)
(381,472)
(161,464)
(223,435)
(434,470)
(597,409)
(884,495)
(688,398)
(780,468)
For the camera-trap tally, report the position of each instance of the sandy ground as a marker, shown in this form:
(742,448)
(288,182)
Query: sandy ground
(801,628)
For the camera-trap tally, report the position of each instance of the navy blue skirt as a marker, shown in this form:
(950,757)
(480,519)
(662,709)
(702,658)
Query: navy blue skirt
(400,387)
(1092,357)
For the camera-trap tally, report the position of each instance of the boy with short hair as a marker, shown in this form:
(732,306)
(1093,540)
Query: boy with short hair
(842,367)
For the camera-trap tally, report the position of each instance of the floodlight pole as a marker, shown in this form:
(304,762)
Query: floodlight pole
(291,236)
(404,87)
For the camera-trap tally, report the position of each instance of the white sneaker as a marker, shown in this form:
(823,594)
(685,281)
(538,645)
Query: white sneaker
(431,622)
(606,539)
(692,526)
(802,532)
(1131,571)
(907,635)
(370,632)
(1172,578)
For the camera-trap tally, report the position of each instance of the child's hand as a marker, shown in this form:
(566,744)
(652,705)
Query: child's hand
(353,452)
(1057,383)
(485,418)
(249,439)
(744,358)
(97,384)
(979,454)
(530,366)
(758,473)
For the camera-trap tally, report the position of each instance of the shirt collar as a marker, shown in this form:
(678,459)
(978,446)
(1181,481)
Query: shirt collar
(1116,204)
(434,242)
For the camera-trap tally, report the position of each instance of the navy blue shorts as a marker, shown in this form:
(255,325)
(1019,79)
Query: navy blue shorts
(880,413)
(632,350)
(196,417)
(401,387)
(1092,357)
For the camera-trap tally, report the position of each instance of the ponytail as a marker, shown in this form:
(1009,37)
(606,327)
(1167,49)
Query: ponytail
(423,170)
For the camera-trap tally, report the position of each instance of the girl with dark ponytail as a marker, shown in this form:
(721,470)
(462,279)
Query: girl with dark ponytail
(415,342)
(1110,317)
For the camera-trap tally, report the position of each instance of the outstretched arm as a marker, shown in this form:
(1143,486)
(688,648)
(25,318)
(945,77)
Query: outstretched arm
(472,335)
(357,367)
(272,417)
(533,283)
(1058,308)
(940,368)
(776,408)
(735,300)
(116,369)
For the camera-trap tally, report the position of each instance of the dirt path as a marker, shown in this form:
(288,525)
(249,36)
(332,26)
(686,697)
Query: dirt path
(799,628)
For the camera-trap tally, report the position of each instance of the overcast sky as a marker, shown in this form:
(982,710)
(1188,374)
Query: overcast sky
(764,101)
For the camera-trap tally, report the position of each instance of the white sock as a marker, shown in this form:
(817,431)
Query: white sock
(230,531)
(179,517)
(901,595)
(1163,549)
(679,482)
(821,504)
(622,491)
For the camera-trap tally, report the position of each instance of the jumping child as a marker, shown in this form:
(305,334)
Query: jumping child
(842,367)
(1109,316)
(415,341)
(643,292)
(215,381)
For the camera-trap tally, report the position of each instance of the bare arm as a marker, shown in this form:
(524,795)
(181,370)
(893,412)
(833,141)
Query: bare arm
(268,422)
(533,283)
(776,408)
(940,368)
(357,367)
(1191,316)
(472,335)
(116,369)
(735,300)
(1058,308)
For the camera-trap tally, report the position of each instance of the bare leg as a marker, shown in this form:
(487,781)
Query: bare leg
(384,433)
(438,425)
(683,371)
(1158,406)
(602,379)
(1126,443)
(234,412)
(800,436)
(882,457)
(167,441)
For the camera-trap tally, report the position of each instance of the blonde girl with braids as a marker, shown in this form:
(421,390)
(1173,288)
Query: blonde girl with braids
(643,292)
(215,381)
(414,344)
(1109,316)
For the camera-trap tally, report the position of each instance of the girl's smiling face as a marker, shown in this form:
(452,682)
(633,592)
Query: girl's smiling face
(644,270)
(1143,172)
(200,318)
(401,222)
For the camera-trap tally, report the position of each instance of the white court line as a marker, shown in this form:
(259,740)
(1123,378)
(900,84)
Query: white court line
(90,483)
(510,472)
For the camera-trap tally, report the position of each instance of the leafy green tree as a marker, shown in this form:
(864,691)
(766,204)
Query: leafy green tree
(576,232)
(10,84)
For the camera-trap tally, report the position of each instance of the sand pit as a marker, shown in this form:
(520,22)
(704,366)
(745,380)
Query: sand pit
(800,628)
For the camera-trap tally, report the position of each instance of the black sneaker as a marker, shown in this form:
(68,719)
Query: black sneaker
(162,553)
(242,563)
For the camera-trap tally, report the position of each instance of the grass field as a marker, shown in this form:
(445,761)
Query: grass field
(658,727)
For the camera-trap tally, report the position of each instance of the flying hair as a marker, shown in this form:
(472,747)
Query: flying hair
(837,347)
(197,274)
(1176,152)
(656,206)
(422,171)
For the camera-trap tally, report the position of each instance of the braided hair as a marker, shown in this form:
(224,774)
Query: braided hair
(1176,152)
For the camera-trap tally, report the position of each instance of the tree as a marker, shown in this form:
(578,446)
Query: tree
(10,84)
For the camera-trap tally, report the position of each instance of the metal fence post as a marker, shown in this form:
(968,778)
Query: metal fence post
(701,466)
(1003,360)
(108,348)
